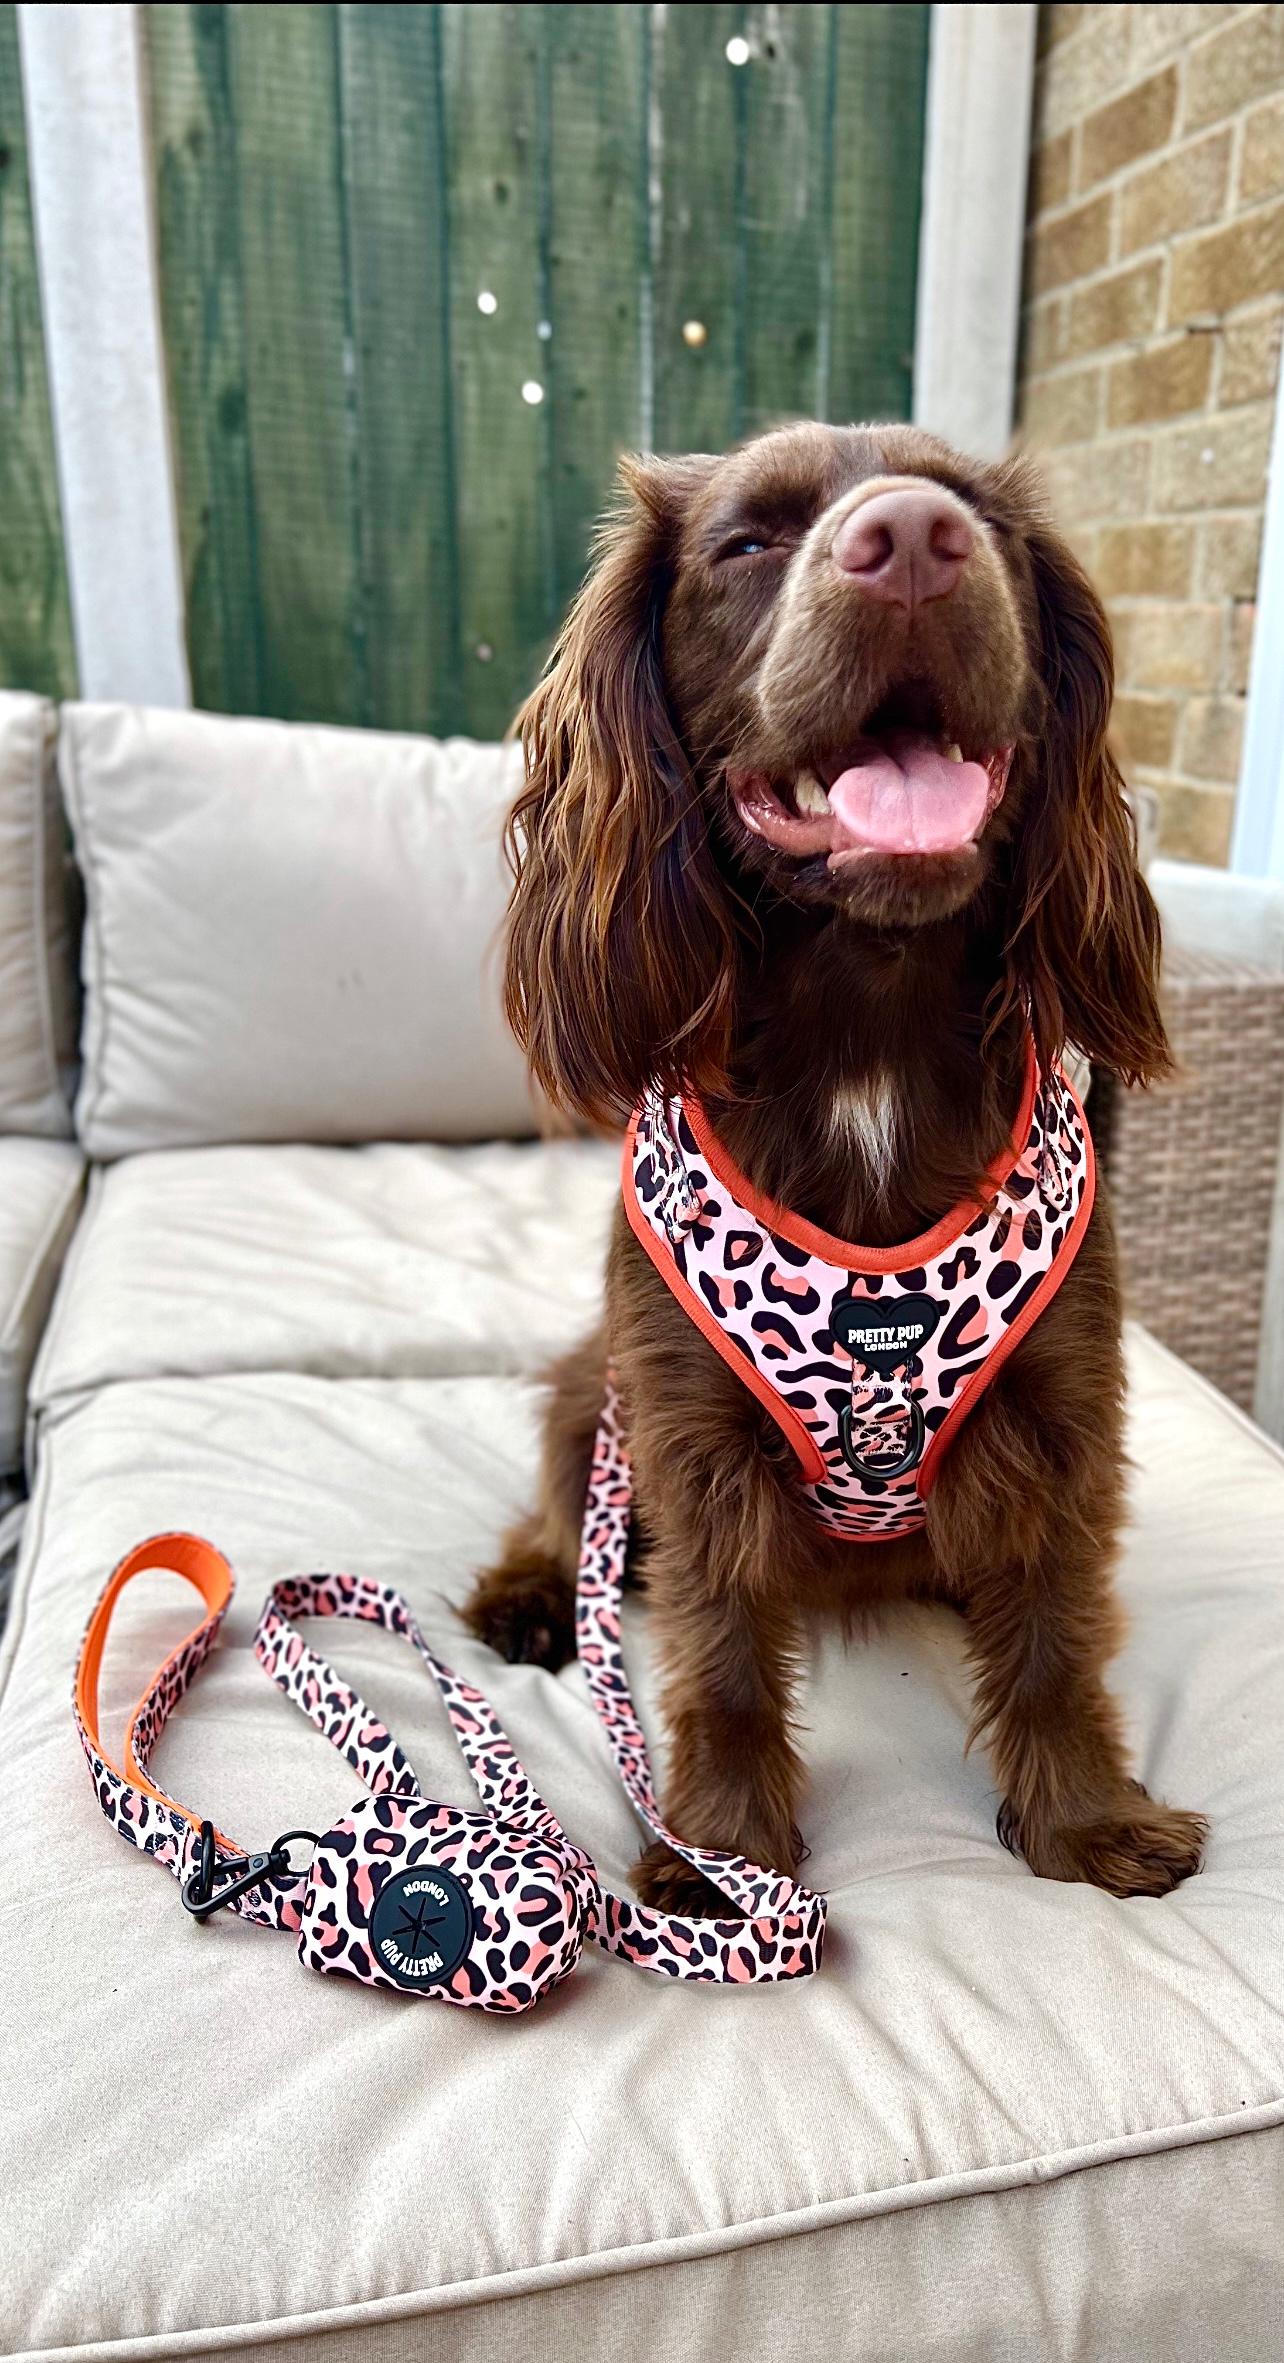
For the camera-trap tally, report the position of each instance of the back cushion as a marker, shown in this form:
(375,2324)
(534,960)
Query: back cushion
(37,957)
(291,933)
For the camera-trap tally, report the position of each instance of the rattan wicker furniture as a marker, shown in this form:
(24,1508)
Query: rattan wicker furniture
(1191,1166)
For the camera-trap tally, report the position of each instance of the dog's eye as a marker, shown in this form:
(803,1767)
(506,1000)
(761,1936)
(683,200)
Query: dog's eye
(744,547)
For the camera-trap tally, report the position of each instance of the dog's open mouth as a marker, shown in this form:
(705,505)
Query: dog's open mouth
(896,790)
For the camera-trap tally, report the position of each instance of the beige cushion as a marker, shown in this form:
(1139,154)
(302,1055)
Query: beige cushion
(1008,2119)
(40,1186)
(37,900)
(380,1262)
(290,933)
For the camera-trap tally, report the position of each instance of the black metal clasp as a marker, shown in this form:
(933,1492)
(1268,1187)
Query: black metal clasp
(216,1881)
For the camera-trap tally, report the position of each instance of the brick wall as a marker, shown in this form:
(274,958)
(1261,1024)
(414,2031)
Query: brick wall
(1154,295)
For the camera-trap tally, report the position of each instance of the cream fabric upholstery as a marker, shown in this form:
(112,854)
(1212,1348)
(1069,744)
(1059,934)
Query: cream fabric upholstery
(40,1189)
(380,1262)
(37,962)
(1009,2118)
(290,932)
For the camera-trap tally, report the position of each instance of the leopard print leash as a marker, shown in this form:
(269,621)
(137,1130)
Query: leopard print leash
(485,1909)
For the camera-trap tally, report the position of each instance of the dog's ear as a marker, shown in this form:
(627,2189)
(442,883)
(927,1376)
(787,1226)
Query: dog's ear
(621,947)
(1083,938)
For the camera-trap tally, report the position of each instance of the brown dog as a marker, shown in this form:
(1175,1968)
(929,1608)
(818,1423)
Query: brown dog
(849,994)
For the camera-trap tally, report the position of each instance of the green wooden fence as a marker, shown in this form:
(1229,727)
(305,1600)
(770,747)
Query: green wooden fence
(425,271)
(35,619)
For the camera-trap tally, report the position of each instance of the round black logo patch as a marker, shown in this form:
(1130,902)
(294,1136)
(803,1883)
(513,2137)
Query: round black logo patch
(421,1926)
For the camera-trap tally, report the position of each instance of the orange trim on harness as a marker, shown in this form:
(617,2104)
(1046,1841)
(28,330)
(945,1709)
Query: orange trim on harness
(842,1252)
(209,1573)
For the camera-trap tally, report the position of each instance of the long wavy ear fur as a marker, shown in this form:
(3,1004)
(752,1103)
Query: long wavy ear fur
(620,950)
(1083,937)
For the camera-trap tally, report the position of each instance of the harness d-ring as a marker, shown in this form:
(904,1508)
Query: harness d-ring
(910,1456)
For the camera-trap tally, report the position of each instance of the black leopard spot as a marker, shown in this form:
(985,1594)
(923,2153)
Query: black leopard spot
(800,1297)
(1022,1297)
(741,1293)
(1003,1277)
(788,1253)
(779,1335)
(742,1247)
(954,1339)
(914,1280)
(1032,1229)
(963,1265)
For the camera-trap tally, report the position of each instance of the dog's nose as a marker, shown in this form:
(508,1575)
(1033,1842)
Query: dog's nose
(905,546)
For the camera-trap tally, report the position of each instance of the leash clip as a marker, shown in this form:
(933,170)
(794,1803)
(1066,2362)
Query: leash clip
(200,1894)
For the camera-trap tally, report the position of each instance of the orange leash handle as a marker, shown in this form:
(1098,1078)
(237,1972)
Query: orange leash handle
(143,1813)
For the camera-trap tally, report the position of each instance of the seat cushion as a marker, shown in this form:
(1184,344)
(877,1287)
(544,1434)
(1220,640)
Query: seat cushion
(40,1188)
(38,909)
(290,932)
(1007,2118)
(380,1262)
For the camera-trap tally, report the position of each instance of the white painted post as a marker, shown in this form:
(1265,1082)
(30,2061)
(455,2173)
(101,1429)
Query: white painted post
(979,87)
(1257,845)
(86,131)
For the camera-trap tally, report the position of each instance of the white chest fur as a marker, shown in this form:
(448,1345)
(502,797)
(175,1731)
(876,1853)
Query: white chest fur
(866,1119)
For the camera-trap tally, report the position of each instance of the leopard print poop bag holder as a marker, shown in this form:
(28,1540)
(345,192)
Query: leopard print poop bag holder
(487,1909)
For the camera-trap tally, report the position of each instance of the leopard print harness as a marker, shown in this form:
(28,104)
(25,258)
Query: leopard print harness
(867,1359)
(485,1909)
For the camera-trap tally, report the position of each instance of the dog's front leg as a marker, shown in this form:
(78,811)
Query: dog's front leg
(1027,1515)
(1040,1630)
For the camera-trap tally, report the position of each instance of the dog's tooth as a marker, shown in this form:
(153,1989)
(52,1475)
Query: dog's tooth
(809,794)
(954,752)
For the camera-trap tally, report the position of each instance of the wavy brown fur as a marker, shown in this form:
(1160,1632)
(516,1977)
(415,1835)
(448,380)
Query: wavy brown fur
(652,938)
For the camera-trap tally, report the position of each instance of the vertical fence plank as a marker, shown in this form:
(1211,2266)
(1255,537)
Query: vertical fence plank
(394,174)
(35,614)
(786,225)
(195,151)
(497,137)
(701,101)
(880,84)
(300,364)
(376,524)
(598,224)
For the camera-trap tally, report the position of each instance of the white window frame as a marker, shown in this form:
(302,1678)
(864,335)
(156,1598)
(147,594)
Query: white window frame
(975,164)
(1257,844)
(96,256)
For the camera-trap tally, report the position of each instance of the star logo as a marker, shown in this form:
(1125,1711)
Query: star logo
(421,1925)
(413,1927)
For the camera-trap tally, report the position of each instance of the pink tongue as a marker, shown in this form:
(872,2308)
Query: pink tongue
(905,798)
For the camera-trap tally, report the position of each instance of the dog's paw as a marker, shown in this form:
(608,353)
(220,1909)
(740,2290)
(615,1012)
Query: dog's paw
(669,1884)
(1140,1848)
(526,1615)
